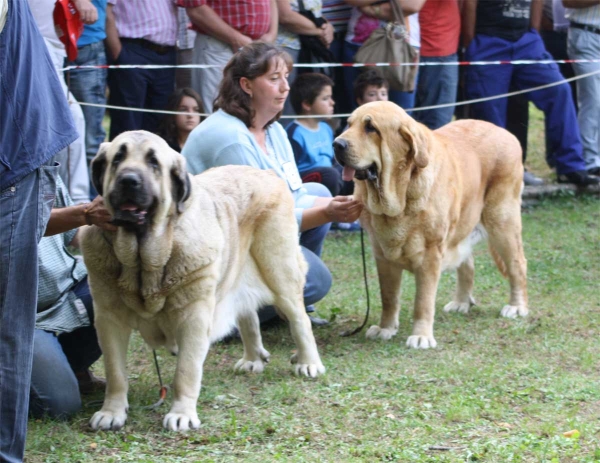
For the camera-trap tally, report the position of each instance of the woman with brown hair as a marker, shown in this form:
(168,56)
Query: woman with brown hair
(244,131)
(175,128)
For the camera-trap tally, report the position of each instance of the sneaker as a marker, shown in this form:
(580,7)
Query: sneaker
(316,321)
(89,383)
(579,178)
(531,180)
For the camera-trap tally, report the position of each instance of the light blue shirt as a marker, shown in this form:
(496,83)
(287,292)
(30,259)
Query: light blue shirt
(223,139)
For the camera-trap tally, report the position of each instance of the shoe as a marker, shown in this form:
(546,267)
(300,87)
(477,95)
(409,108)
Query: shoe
(531,180)
(316,321)
(89,383)
(594,171)
(579,178)
(343,226)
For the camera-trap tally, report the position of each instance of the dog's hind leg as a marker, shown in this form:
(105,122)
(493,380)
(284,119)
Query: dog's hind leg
(113,336)
(390,279)
(255,356)
(463,299)
(503,225)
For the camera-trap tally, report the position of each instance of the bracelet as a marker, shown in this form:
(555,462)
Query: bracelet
(86,217)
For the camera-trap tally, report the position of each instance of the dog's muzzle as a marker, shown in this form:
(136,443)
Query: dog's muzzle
(340,147)
(130,199)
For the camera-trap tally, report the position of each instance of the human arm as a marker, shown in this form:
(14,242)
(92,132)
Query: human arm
(113,42)
(271,34)
(469,15)
(205,18)
(535,16)
(87,11)
(580,3)
(294,21)
(325,210)
(67,218)
(383,11)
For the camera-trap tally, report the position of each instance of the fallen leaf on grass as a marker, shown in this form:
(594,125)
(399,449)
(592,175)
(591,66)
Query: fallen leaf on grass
(573,433)
(93,445)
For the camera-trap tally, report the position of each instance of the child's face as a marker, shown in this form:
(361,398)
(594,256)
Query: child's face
(323,104)
(374,93)
(187,122)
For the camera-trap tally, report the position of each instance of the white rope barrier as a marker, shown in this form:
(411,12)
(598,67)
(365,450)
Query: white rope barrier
(333,116)
(336,65)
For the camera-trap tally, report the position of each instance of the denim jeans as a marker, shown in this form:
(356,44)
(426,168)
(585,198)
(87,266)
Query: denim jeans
(586,45)
(89,86)
(54,388)
(436,85)
(24,212)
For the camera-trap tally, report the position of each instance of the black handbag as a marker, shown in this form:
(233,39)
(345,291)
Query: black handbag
(312,50)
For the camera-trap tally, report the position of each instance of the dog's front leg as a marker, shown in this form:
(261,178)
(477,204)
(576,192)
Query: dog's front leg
(427,276)
(193,339)
(390,279)
(113,336)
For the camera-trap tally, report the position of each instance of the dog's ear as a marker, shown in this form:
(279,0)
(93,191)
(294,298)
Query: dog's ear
(418,144)
(181,183)
(98,167)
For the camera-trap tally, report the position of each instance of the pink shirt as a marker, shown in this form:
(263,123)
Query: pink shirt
(153,20)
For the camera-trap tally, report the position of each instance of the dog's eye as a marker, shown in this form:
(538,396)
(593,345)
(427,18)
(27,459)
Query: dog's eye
(369,128)
(117,159)
(152,162)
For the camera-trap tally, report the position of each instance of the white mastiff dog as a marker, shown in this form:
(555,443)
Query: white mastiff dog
(192,257)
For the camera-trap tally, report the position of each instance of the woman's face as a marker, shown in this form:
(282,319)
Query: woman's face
(187,122)
(269,91)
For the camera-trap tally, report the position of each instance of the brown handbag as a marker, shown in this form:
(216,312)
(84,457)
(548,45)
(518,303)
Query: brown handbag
(390,44)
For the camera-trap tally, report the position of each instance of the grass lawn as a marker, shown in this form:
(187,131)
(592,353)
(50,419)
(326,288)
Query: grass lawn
(495,390)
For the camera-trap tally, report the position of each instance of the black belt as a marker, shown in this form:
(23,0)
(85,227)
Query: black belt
(155,47)
(585,27)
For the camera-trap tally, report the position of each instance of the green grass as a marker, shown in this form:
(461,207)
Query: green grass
(495,390)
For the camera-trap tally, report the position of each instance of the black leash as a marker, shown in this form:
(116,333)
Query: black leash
(359,329)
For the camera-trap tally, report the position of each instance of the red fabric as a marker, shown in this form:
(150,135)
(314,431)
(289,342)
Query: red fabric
(68,26)
(250,17)
(440,27)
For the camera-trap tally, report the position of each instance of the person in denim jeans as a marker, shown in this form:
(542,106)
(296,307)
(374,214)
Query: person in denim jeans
(36,124)
(89,85)
(440,31)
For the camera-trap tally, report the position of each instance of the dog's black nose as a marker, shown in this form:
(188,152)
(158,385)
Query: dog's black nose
(340,145)
(130,180)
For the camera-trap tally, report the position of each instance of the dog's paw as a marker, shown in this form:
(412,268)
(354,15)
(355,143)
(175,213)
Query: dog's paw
(108,420)
(253,365)
(514,311)
(174,421)
(460,307)
(421,342)
(376,332)
(311,370)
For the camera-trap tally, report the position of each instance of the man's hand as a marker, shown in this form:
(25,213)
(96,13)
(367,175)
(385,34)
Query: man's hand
(238,41)
(87,11)
(96,214)
(327,34)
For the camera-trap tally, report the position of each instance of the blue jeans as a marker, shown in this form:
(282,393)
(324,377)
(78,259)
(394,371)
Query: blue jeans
(436,85)
(586,45)
(24,212)
(54,388)
(89,86)
(556,102)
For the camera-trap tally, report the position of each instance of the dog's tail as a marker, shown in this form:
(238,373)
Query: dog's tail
(499,261)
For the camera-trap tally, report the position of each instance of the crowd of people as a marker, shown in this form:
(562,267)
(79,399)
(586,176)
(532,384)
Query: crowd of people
(250,48)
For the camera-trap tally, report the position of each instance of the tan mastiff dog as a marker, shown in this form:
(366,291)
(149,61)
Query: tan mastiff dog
(191,257)
(429,196)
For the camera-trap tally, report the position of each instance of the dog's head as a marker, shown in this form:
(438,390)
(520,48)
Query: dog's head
(141,179)
(384,147)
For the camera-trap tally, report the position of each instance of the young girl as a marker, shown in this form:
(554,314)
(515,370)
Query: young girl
(175,128)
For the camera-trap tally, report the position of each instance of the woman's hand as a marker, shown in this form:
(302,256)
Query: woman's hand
(343,209)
